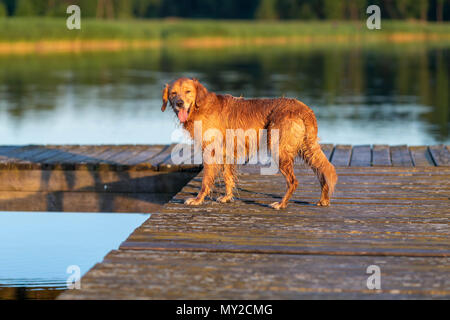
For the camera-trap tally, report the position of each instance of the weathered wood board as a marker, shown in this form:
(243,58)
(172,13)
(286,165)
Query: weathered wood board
(395,218)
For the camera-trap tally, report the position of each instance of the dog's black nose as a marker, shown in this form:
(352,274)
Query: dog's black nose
(180,104)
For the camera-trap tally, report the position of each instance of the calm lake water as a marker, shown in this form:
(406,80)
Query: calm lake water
(387,95)
(37,248)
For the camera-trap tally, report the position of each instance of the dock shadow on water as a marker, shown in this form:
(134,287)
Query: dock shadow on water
(365,94)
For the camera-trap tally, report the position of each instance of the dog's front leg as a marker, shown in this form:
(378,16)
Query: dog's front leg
(209,173)
(229,173)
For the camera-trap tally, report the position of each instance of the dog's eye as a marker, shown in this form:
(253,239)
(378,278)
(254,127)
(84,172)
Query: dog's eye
(188,91)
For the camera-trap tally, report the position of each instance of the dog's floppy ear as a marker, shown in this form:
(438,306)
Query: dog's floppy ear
(165,97)
(201,93)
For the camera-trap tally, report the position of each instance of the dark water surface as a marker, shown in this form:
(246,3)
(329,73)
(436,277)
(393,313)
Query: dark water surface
(389,94)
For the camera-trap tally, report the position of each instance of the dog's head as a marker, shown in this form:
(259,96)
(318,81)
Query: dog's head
(185,96)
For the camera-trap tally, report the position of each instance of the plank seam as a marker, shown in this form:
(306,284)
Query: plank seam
(128,247)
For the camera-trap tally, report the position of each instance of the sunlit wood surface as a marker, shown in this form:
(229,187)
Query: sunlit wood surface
(390,209)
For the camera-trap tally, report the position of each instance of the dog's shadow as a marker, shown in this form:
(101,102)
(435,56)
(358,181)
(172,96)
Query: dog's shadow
(219,188)
(271,195)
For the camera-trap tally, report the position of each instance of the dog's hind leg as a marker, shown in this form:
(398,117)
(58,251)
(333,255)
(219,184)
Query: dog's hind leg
(325,171)
(229,174)
(287,169)
(209,174)
(291,132)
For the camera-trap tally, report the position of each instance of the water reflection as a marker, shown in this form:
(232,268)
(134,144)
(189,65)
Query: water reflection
(390,95)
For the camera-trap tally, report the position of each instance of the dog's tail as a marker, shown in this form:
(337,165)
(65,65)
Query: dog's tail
(312,154)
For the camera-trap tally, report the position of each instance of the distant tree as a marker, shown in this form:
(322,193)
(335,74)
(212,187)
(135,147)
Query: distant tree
(404,8)
(25,8)
(42,6)
(356,8)
(233,9)
(288,9)
(57,8)
(423,9)
(440,10)
(10,6)
(88,7)
(267,10)
(333,9)
(417,9)
(147,8)
(124,9)
(389,7)
(307,12)
(105,9)
(3,10)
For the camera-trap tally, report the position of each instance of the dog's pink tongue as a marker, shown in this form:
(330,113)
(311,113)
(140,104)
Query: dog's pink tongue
(182,115)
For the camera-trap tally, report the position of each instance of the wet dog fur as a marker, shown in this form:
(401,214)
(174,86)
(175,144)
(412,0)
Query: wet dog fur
(296,123)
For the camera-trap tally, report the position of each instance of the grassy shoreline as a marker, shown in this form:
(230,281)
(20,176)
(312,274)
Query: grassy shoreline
(23,35)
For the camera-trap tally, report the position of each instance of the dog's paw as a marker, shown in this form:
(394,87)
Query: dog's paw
(225,199)
(277,205)
(323,203)
(193,202)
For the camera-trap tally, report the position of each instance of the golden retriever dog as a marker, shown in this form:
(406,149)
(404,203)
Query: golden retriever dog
(295,122)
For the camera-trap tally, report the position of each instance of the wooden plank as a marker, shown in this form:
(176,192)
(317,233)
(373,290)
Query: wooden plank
(28,157)
(421,156)
(5,152)
(220,232)
(7,155)
(117,160)
(361,156)
(144,157)
(125,152)
(201,275)
(104,162)
(327,149)
(401,157)
(50,153)
(189,161)
(381,156)
(78,158)
(341,155)
(87,158)
(64,153)
(359,179)
(350,212)
(441,155)
(162,156)
(19,158)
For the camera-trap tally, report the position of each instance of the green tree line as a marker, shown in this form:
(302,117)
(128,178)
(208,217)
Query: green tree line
(425,10)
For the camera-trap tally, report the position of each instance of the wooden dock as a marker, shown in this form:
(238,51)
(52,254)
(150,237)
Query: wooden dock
(391,209)
(125,178)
